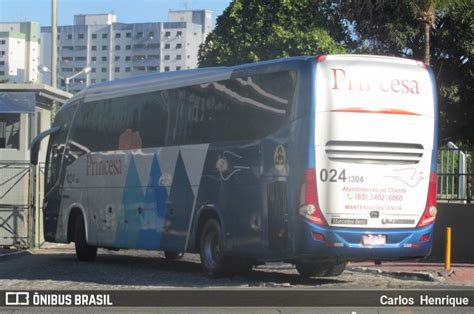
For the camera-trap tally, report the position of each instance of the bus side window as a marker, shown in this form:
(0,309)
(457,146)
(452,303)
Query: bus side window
(57,146)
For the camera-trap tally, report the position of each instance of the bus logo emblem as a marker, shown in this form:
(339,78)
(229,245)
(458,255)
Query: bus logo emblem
(279,157)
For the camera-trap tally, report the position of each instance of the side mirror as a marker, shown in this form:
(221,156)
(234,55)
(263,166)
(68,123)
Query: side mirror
(35,144)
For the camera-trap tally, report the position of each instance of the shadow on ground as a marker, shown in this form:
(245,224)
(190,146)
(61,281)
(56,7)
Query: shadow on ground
(120,269)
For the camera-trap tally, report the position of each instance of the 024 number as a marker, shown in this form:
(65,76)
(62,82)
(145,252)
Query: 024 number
(332,175)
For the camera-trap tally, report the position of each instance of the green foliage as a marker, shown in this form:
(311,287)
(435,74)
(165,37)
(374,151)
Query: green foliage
(393,28)
(256,30)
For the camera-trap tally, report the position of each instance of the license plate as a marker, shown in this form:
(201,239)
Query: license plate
(371,239)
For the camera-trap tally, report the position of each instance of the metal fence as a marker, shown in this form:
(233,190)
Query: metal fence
(455,174)
(15,209)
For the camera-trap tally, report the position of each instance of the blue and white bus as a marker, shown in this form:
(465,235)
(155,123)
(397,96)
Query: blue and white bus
(310,160)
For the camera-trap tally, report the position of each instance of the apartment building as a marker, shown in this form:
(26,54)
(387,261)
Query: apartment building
(19,52)
(117,50)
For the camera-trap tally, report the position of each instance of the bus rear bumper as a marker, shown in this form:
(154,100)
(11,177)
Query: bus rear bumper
(345,244)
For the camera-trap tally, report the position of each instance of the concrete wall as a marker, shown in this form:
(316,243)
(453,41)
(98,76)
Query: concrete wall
(460,217)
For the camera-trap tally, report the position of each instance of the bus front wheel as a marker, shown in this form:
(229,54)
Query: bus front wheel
(84,251)
(211,250)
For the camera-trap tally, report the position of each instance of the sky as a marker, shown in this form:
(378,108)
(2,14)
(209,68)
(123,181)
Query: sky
(127,11)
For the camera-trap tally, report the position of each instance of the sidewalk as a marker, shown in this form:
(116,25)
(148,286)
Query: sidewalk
(459,274)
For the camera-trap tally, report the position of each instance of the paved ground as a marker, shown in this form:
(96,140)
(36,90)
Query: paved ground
(57,268)
(459,274)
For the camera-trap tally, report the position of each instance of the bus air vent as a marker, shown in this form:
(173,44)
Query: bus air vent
(374,152)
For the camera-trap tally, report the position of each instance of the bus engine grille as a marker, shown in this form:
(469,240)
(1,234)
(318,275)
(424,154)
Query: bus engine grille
(374,152)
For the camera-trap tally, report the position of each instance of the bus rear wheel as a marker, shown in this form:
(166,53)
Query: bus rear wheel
(211,250)
(84,251)
(311,269)
(314,269)
(173,256)
(336,270)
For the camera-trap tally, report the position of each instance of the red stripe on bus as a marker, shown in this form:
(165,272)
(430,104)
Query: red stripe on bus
(381,111)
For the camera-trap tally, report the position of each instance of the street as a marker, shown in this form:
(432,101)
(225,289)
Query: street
(58,268)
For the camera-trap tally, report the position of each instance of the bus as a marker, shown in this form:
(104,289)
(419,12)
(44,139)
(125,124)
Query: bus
(314,161)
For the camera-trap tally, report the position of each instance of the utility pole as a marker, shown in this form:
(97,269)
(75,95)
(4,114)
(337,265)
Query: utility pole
(54,42)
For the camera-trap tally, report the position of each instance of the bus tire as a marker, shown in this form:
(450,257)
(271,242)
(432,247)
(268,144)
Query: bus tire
(312,269)
(84,251)
(173,256)
(336,270)
(211,247)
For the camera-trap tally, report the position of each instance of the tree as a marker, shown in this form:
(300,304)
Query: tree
(256,30)
(392,28)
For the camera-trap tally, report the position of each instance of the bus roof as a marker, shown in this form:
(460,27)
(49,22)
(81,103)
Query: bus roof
(167,80)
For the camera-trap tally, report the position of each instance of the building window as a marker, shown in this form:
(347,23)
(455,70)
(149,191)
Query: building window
(92,81)
(153,57)
(104,70)
(2,62)
(80,58)
(66,70)
(151,34)
(117,70)
(127,69)
(153,46)
(69,36)
(178,57)
(128,35)
(93,70)
(2,53)
(167,69)
(139,34)
(127,58)
(139,69)
(94,36)
(104,36)
(103,80)
(179,46)
(104,59)
(9,131)
(167,46)
(152,68)
(118,35)
(66,59)
(167,34)
(117,58)
(128,47)
(80,36)
(2,73)
(139,46)
(167,57)
(117,47)
(104,48)
(2,42)
(93,48)
(93,59)
(139,58)
(179,33)
(178,68)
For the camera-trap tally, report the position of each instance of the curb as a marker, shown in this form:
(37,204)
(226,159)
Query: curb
(16,253)
(420,276)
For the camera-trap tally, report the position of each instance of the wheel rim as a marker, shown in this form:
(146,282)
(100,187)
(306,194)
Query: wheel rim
(212,249)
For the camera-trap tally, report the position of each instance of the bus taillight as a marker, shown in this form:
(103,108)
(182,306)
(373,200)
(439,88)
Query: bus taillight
(310,205)
(430,212)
